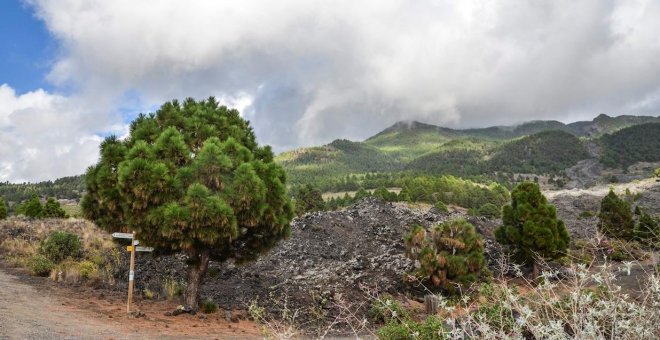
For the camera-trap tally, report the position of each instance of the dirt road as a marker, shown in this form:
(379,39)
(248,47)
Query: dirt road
(33,308)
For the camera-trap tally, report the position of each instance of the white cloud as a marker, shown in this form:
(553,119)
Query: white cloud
(46,136)
(306,72)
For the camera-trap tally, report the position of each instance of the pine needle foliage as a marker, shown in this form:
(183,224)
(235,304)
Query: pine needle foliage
(450,255)
(191,178)
(530,227)
(616,217)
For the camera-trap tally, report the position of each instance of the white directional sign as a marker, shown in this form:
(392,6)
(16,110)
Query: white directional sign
(122,235)
(144,249)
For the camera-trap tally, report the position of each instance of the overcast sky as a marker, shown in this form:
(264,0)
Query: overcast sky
(306,72)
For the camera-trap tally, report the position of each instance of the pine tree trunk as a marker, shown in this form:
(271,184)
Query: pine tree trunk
(535,270)
(196,271)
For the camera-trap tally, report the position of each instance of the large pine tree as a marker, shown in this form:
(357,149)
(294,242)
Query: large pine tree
(191,179)
(530,227)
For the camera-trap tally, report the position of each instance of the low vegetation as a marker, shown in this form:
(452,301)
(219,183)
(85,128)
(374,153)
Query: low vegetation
(69,251)
(450,255)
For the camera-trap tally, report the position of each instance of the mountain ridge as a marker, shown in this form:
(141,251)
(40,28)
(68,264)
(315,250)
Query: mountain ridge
(426,148)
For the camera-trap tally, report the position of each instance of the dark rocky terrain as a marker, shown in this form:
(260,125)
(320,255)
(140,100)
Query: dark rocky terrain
(332,260)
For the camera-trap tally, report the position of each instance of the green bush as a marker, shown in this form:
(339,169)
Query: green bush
(441,207)
(209,307)
(616,217)
(386,309)
(451,253)
(61,245)
(32,208)
(52,208)
(586,214)
(431,329)
(490,210)
(89,270)
(40,265)
(3,209)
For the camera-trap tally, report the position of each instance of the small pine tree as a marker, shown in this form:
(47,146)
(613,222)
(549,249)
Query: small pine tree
(616,218)
(490,210)
(531,228)
(647,229)
(452,254)
(385,194)
(308,199)
(3,209)
(32,207)
(360,194)
(404,195)
(52,208)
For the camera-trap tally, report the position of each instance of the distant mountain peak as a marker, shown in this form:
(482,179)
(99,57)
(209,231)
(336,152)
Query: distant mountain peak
(602,117)
(409,125)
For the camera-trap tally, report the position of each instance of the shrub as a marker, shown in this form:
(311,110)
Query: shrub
(40,265)
(52,208)
(3,209)
(586,214)
(61,245)
(431,329)
(32,207)
(89,270)
(616,218)
(440,206)
(647,230)
(490,210)
(209,307)
(386,309)
(172,289)
(385,195)
(452,254)
(149,294)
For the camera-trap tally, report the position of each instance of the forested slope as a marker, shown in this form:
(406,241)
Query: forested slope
(640,143)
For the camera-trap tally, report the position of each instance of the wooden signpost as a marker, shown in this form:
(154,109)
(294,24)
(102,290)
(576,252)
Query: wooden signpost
(131,274)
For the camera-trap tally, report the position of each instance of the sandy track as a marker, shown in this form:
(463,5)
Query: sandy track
(33,308)
(26,313)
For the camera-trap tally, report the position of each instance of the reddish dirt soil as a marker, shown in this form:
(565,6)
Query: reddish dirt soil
(37,308)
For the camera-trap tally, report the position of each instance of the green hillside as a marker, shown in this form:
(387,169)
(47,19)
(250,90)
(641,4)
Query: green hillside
(604,124)
(540,147)
(407,140)
(640,143)
(63,188)
(543,152)
(340,157)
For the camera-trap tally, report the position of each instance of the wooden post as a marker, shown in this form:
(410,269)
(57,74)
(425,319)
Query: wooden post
(131,275)
(431,304)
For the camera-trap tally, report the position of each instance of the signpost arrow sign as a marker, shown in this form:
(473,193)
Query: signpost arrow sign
(133,248)
(129,248)
(122,235)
